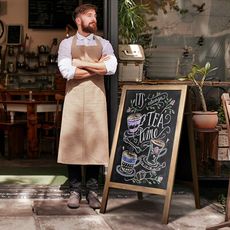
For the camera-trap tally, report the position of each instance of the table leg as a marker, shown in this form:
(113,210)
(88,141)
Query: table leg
(202,154)
(2,142)
(217,168)
(32,149)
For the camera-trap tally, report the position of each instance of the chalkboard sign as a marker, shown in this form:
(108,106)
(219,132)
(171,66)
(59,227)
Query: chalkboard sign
(46,14)
(146,139)
(51,14)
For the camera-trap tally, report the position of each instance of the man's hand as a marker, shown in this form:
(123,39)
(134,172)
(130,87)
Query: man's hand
(104,58)
(78,63)
(82,73)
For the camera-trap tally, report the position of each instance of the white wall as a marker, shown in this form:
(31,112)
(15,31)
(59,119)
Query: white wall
(213,21)
(176,32)
(16,12)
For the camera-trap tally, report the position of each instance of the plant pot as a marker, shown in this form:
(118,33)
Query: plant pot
(205,120)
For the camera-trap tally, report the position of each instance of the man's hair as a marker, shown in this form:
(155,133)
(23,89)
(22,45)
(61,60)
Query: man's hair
(83,8)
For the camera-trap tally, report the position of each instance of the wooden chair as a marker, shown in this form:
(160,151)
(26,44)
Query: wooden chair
(50,130)
(226,106)
(12,132)
(3,107)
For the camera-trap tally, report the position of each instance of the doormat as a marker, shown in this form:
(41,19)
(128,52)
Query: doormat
(33,175)
(59,207)
(14,191)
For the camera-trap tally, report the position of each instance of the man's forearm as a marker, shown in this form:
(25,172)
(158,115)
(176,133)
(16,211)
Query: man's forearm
(97,70)
(82,73)
(96,67)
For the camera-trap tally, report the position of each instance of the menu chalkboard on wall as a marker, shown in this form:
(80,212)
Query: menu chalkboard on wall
(146,140)
(47,14)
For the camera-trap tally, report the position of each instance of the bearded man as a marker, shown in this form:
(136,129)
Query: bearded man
(83,60)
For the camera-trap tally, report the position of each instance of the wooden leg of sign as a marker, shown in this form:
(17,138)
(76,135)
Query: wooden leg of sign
(167,203)
(227,217)
(104,199)
(140,195)
(192,153)
(105,196)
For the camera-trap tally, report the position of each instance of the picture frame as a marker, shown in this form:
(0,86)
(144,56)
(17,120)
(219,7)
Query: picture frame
(14,34)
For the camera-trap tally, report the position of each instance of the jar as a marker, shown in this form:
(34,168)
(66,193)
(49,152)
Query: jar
(10,67)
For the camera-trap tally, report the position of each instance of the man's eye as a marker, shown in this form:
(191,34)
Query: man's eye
(92,15)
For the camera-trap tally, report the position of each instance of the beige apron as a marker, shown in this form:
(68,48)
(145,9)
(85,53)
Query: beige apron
(84,131)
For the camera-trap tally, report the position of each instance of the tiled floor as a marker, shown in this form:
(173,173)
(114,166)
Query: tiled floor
(123,211)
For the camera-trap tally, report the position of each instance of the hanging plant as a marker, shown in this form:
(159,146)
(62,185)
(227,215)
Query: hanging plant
(132,21)
(132,17)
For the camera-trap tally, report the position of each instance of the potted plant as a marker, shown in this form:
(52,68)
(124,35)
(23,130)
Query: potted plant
(202,119)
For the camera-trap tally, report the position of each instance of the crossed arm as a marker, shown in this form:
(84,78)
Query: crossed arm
(87,69)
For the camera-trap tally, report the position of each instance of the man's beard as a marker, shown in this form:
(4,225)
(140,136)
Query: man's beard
(90,28)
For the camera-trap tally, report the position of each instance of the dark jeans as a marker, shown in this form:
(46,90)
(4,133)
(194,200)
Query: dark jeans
(75,177)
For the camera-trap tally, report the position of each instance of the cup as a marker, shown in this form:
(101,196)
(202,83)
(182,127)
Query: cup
(155,149)
(134,121)
(128,161)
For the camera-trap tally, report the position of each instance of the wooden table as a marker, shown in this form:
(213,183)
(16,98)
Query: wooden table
(31,108)
(16,132)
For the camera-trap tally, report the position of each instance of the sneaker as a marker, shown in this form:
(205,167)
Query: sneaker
(93,200)
(74,200)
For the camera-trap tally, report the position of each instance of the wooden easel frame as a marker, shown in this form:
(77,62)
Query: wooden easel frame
(167,193)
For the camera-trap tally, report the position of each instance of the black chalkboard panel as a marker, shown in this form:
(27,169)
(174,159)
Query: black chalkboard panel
(46,14)
(146,137)
(51,14)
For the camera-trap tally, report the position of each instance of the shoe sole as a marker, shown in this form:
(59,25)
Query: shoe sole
(73,207)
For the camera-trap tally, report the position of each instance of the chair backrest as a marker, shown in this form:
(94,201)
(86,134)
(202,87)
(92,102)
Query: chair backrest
(226,107)
(4,95)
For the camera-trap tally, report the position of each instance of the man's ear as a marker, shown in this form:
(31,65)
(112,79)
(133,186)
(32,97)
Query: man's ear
(78,21)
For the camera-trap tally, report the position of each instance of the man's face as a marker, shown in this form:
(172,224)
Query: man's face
(88,21)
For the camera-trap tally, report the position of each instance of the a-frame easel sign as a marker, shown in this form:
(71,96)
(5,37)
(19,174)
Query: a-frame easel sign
(146,140)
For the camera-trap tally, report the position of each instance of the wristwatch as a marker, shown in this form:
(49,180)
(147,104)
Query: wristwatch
(1,28)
